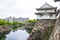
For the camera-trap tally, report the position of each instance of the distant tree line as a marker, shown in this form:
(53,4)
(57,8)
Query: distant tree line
(3,22)
(15,25)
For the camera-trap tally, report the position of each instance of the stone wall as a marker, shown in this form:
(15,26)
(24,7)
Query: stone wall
(47,22)
(39,29)
(56,32)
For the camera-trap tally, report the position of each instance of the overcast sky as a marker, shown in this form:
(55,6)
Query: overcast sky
(22,8)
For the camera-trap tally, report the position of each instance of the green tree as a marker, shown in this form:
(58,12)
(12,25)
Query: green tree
(32,21)
(3,22)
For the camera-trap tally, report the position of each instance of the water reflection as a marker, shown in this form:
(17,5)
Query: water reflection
(17,35)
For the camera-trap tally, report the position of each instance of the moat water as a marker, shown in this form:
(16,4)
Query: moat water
(17,35)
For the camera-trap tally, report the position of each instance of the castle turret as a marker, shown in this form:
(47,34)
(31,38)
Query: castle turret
(46,12)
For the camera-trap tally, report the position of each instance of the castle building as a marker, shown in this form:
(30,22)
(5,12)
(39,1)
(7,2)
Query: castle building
(46,12)
(46,17)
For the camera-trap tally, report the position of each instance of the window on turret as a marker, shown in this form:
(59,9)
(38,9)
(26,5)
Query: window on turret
(55,10)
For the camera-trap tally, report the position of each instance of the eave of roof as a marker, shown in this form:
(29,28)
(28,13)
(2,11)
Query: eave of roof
(46,8)
(56,0)
(44,12)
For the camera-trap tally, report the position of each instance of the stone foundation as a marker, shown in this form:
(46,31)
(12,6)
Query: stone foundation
(56,32)
(39,29)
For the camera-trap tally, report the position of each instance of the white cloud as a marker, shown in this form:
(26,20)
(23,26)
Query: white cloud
(27,7)
(22,8)
(7,8)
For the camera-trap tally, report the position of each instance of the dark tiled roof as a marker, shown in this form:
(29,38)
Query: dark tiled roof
(56,0)
(46,6)
(44,12)
(59,10)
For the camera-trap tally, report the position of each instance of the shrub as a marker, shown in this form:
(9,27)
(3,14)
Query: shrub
(32,21)
(3,22)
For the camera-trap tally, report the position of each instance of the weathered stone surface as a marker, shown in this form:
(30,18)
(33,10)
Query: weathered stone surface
(40,29)
(4,29)
(56,32)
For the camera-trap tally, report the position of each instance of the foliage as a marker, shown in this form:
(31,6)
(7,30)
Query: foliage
(29,30)
(47,33)
(16,25)
(2,38)
(30,25)
(20,24)
(32,21)
(3,22)
(13,25)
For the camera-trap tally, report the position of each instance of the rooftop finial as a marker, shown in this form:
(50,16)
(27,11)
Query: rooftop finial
(46,3)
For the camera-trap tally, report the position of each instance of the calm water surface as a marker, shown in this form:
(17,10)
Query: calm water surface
(17,35)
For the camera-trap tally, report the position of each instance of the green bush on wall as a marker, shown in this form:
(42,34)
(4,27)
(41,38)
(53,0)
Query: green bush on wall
(48,32)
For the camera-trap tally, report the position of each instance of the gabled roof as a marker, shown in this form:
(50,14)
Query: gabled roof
(56,0)
(46,6)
